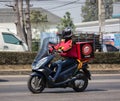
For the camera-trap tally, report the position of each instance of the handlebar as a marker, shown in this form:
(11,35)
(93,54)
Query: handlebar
(53,50)
(57,51)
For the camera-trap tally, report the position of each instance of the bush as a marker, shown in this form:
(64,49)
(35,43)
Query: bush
(24,58)
(106,58)
(16,58)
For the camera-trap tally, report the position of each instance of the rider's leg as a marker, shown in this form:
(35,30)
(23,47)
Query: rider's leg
(62,64)
(58,67)
(53,66)
(58,70)
(68,62)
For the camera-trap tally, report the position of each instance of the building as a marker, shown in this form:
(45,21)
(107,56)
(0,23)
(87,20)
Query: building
(8,18)
(111,26)
(110,36)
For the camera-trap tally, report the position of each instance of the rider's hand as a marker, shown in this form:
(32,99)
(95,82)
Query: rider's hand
(53,47)
(60,51)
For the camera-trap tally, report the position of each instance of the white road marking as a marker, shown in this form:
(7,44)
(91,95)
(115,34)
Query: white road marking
(105,80)
(13,83)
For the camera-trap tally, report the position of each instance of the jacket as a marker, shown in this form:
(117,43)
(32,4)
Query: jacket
(67,48)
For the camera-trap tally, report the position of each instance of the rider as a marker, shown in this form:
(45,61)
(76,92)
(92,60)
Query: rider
(65,47)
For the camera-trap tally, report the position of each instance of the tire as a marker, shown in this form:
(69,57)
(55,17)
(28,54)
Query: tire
(36,84)
(81,84)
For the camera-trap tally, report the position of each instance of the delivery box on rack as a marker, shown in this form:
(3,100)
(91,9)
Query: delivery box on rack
(85,50)
(80,51)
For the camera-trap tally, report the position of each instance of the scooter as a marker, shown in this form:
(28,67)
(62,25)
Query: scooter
(75,76)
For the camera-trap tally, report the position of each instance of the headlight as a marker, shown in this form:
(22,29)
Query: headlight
(40,63)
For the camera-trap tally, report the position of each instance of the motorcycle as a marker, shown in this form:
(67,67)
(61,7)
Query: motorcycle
(75,76)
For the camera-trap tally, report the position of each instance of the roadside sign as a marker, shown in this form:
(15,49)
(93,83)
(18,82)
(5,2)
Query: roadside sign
(116,16)
(116,10)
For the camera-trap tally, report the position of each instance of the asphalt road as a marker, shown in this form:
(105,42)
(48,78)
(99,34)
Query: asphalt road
(102,87)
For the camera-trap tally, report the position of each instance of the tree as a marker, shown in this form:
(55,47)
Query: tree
(90,10)
(65,22)
(116,0)
(38,20)
(23,25)
(39,23)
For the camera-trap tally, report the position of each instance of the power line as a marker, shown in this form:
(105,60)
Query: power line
(64,5)
(65,8)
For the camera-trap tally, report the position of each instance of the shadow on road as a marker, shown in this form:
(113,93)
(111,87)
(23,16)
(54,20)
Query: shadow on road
(2,80)
(72,91)
(96,90)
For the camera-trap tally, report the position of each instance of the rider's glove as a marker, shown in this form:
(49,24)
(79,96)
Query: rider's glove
(60,50)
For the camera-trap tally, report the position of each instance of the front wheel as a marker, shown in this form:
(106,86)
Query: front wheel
(80,84)
(36,84)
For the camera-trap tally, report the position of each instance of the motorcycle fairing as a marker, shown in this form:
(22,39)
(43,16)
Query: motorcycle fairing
(46,38)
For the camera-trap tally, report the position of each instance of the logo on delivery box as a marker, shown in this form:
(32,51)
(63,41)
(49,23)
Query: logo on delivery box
(86,49)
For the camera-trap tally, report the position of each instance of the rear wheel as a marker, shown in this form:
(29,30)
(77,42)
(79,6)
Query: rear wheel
(36,84)
(80,84)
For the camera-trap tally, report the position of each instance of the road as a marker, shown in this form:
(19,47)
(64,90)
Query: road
(102,87)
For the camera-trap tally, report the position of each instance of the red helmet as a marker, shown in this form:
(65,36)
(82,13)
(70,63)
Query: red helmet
(67,33)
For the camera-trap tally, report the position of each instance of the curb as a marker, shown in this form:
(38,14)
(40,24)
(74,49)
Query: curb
(105,71)
(15,72)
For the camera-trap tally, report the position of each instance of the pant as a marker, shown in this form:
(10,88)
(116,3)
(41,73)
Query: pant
(61,64)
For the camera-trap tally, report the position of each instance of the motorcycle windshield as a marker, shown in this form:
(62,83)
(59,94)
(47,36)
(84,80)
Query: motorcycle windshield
(45,39)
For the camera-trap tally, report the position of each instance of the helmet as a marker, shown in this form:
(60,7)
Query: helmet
(67,33)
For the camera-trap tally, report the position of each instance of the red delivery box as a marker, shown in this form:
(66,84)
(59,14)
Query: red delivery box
(85,50)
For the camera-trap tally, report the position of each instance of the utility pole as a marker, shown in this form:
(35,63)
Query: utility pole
(28,25)
(20,2)
(17,22)
(101,16)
